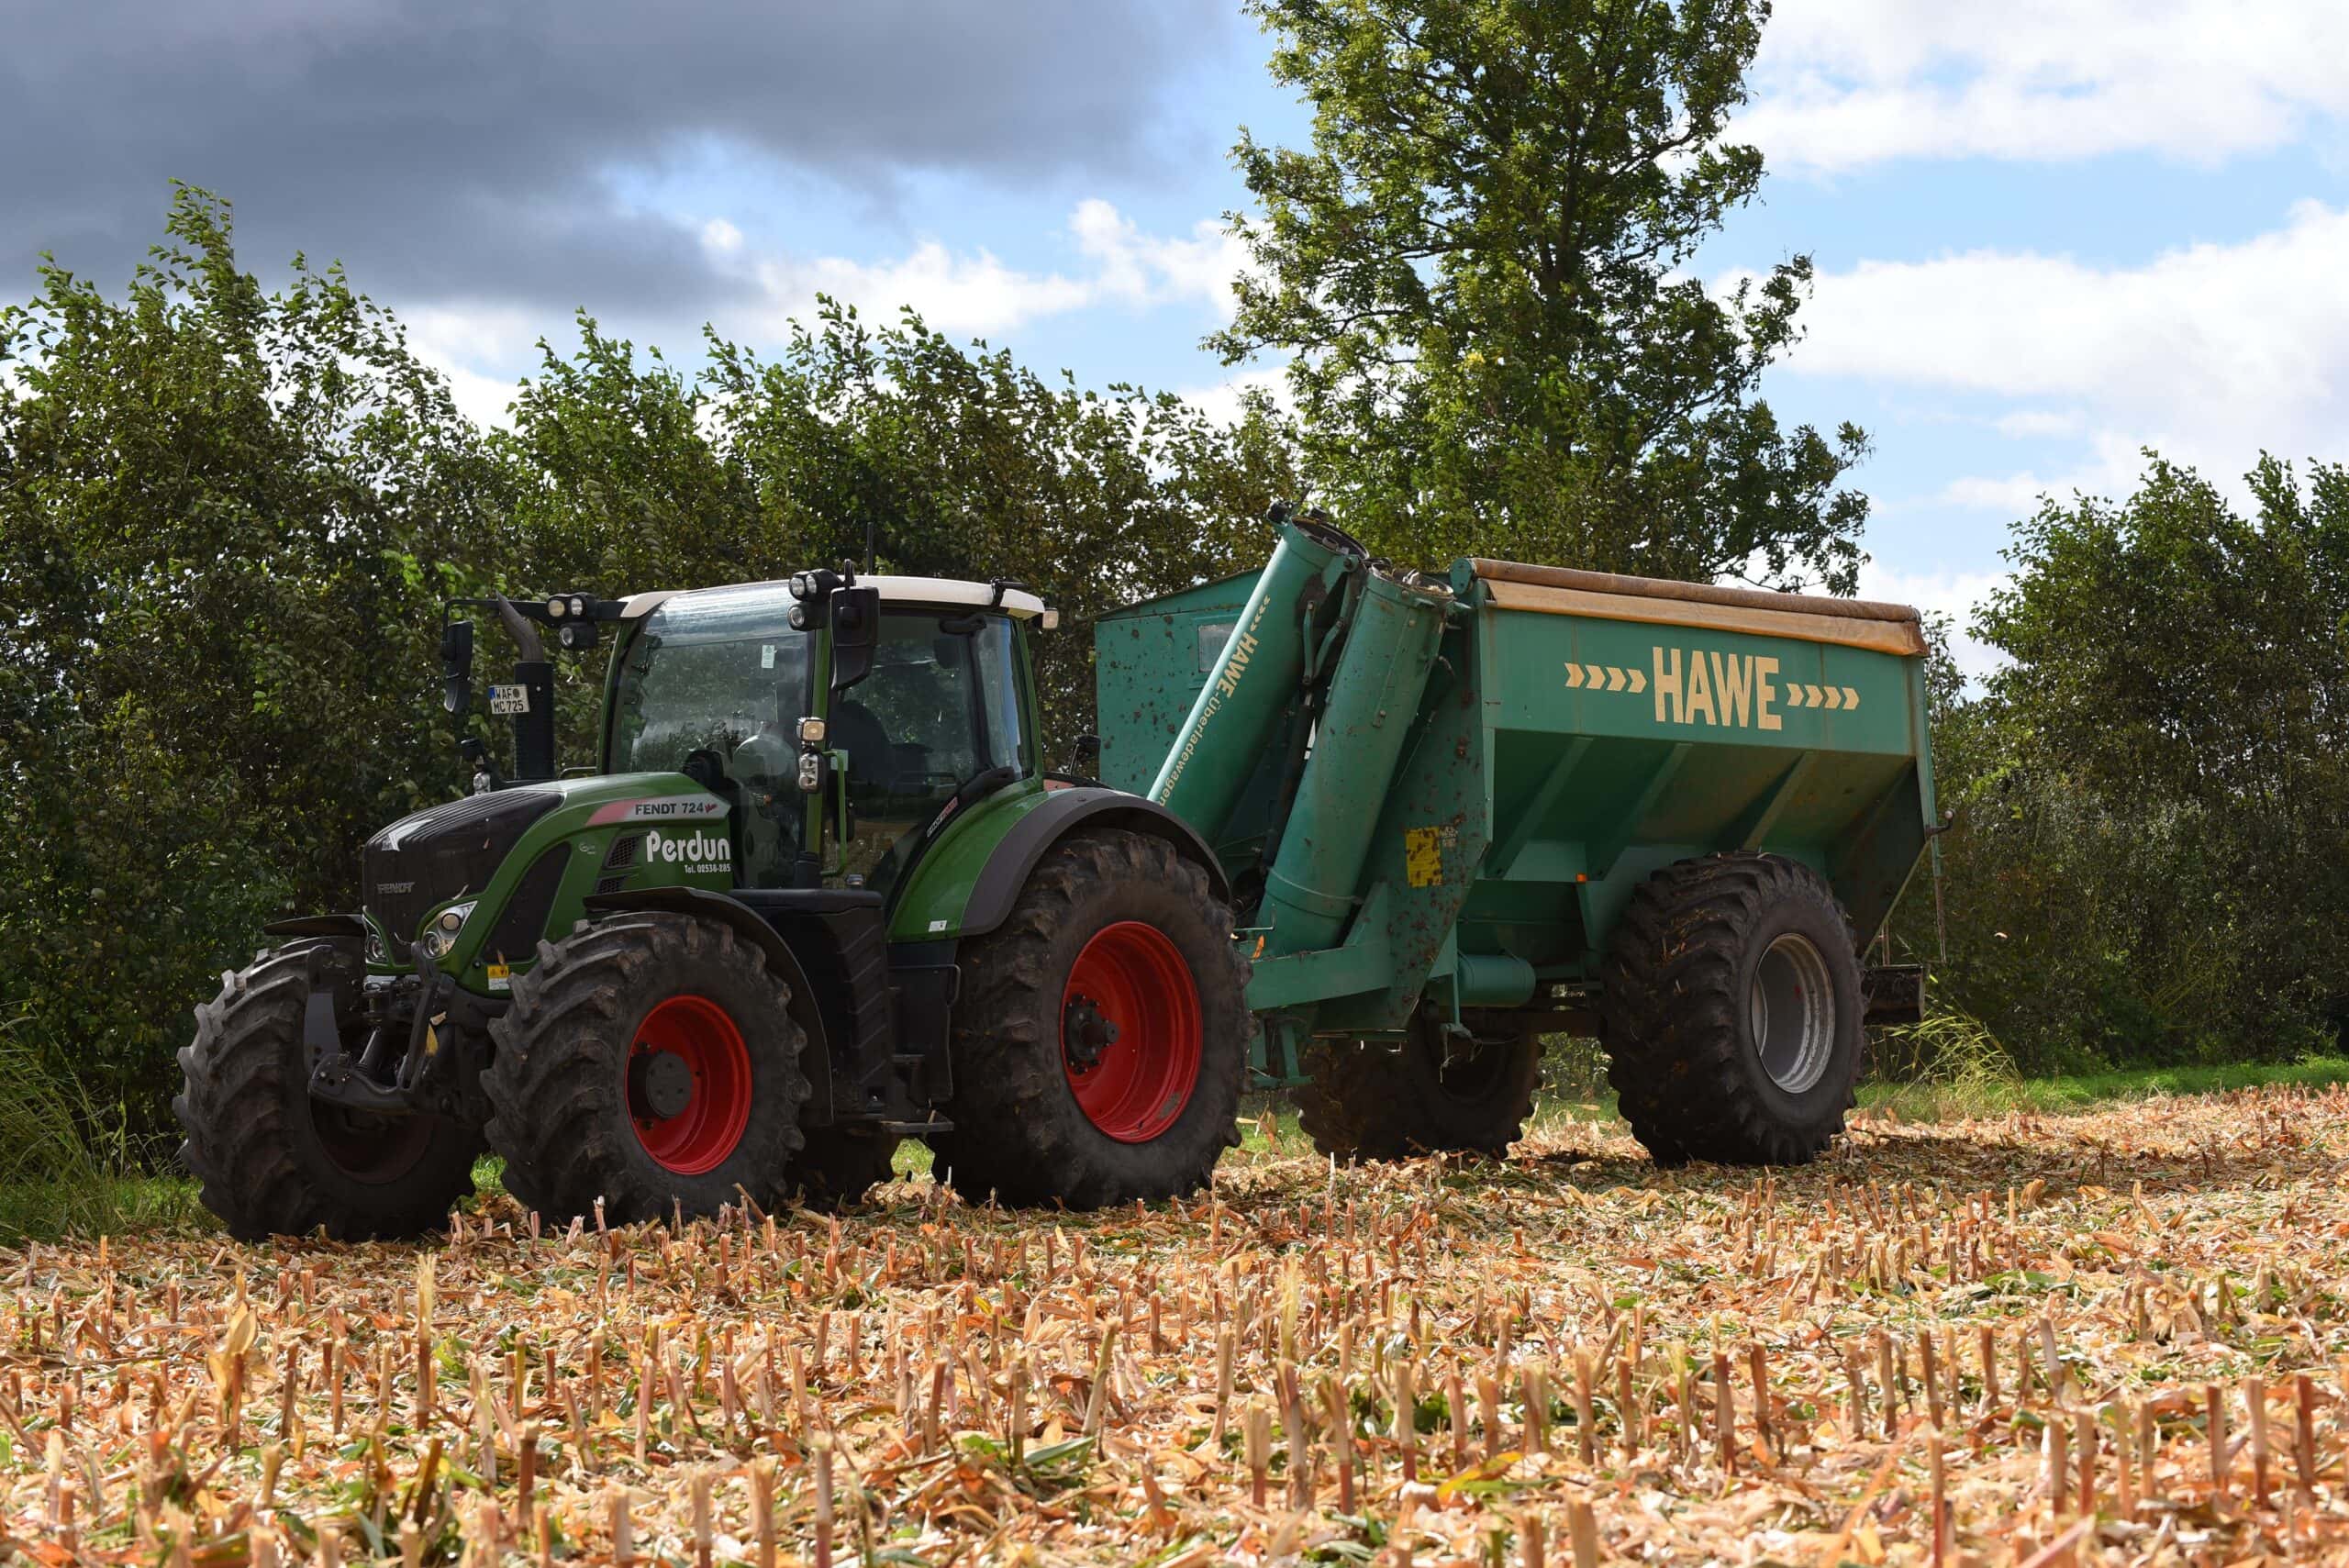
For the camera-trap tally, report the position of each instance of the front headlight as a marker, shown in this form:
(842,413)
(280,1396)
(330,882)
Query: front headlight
(442,935)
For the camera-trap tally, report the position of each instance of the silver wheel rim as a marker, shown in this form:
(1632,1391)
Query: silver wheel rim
(1791,1010)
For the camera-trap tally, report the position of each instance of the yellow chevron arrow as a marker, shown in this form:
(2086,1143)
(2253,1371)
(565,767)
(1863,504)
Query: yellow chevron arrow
(1794,695)
(1574,676)
(1614,677)
(1638,680)
(1597,674)
(1817,698)
(1851,697)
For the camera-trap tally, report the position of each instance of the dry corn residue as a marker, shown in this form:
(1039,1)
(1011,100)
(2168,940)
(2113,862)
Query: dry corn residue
(2115,1337)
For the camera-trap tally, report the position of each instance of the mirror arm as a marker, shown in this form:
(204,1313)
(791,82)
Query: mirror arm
(529,648)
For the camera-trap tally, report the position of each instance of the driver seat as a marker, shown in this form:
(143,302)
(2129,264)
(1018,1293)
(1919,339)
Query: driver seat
(871,760)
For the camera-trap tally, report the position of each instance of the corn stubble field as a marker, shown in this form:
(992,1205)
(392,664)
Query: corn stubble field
(2116,1337)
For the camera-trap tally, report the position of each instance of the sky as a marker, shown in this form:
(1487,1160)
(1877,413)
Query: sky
(2048,235)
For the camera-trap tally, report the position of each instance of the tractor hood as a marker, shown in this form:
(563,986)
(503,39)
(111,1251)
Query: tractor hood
(441,854)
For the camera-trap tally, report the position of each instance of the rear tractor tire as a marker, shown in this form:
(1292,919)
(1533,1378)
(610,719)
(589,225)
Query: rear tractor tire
(268,1160)
(1102,1033)
(649,1061)
(1732,1012)
(1366,1102)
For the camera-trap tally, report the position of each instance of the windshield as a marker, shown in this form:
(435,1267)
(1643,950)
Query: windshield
(722,672)
(942,706)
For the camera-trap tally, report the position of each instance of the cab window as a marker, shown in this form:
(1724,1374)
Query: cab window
(941,707)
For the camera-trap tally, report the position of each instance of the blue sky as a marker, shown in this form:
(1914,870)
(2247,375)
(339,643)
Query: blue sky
(2047,235)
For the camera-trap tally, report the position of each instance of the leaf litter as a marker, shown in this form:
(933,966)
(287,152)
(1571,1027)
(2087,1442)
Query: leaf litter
(2115,1337)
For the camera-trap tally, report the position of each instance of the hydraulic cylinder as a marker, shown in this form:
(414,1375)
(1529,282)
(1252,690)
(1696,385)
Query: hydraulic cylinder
(1255,681)
(1370,716)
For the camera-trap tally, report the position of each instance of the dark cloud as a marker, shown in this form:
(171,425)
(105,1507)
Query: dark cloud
(448,150)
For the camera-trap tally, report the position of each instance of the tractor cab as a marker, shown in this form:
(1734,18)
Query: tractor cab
(842,722)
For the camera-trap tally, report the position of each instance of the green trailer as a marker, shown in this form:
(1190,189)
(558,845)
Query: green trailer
(1461,814)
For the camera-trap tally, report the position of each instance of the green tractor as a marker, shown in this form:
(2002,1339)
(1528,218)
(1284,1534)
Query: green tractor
(818,895)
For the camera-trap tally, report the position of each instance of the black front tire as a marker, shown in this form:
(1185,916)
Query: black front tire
(1020,1130)
(568,1110)
(1733,1010)
(271,1161)
(1369,1103)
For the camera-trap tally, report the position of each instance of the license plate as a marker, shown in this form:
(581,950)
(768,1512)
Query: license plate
(507,701)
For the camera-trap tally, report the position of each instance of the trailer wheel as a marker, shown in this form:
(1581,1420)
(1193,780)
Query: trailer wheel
(268,1160)
(650,1062)
(1102,1032)
(839,1165)
(1732,1012)
(1368,1103)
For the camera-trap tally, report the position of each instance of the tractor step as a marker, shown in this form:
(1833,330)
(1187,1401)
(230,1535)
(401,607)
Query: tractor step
(917,1129)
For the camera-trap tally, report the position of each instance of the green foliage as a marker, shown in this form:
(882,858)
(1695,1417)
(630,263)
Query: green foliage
(2145,862)
(221,513)
(228,519)
(1478,270)
(65,1168)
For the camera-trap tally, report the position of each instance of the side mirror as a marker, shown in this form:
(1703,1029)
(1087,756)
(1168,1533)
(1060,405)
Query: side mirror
(457,665)
(855,620)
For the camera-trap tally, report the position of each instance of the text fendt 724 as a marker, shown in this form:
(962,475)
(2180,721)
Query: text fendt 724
(1379,834)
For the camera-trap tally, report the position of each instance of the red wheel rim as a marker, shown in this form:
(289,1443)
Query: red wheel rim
(1130,1031)
(705,1130)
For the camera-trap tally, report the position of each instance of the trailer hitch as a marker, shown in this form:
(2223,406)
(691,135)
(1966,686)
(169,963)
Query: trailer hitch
(357,1083)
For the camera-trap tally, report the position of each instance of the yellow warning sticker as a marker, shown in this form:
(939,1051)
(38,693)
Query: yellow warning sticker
(1423,856)
(501,978)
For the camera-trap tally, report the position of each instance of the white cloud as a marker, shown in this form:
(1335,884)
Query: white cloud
(2208,354)
(482,349)
(975,292)
(2028,422)
(1145,269)
(1955,594)
(1841,85)
(1221,400)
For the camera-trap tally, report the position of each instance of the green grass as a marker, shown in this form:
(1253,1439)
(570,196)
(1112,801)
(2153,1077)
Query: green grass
(2086,1091)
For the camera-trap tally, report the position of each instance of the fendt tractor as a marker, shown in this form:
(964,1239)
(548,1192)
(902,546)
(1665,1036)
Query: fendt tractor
(1364,833)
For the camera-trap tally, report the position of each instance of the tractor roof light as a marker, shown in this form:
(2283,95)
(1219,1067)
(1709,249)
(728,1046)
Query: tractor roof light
(556,606)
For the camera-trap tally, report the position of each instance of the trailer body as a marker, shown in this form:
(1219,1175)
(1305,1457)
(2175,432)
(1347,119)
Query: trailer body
(1443,792)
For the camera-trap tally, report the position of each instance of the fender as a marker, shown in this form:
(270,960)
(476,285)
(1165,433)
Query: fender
(815,1060)
(1065,812)
(349,926)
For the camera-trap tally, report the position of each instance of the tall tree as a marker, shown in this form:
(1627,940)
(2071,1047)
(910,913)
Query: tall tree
(1478,269)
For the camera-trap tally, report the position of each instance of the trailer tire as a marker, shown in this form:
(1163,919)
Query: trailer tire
(1732,1012)
(839,1165)
(1365,1103)
(271,1161)
(1121,913)
(649,1061)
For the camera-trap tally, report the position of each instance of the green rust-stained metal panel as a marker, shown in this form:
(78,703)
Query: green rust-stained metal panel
(1149,661)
